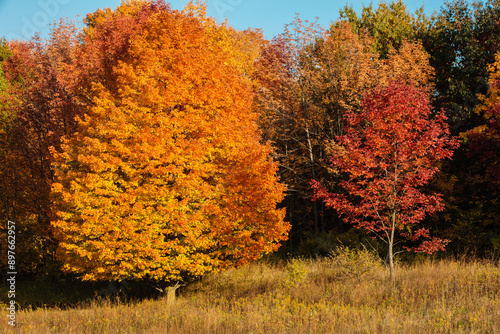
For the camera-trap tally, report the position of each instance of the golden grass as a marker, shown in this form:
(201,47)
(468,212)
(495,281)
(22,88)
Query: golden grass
(349,293)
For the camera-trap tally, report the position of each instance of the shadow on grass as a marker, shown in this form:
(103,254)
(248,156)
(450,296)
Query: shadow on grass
(69,292)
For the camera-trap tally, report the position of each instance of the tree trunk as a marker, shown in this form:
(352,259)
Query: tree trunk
(391,246)
(313,172)
(169,293)
(391,259)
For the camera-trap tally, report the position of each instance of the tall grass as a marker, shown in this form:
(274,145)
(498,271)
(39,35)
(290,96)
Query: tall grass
(346,293)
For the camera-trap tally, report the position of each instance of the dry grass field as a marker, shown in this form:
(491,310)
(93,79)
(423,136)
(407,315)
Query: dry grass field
(347,293)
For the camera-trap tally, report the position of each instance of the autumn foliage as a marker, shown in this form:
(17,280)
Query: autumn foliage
(308,79)
(165,177)
(158,144)
(389,150)
(36,109)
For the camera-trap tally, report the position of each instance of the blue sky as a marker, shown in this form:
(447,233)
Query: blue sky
(19,19)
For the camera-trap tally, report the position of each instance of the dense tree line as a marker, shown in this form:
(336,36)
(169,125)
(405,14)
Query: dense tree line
(450,54)
(158,144)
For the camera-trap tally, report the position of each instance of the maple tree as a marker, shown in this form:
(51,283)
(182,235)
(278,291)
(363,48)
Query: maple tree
(166,178)
(307,79)
(389,150)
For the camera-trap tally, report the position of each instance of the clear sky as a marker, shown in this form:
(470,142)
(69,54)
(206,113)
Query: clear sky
(19,19)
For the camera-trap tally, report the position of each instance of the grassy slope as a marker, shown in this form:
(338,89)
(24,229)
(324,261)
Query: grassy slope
(349,293)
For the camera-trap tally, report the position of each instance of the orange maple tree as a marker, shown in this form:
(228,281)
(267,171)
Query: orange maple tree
(166,177)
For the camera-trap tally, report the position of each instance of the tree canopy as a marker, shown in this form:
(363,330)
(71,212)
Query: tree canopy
(389,150)
(165,177)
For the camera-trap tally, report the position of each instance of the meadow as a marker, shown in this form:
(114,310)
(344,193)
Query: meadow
(349,292)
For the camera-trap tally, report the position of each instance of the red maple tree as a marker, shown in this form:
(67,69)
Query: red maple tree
(390,149)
